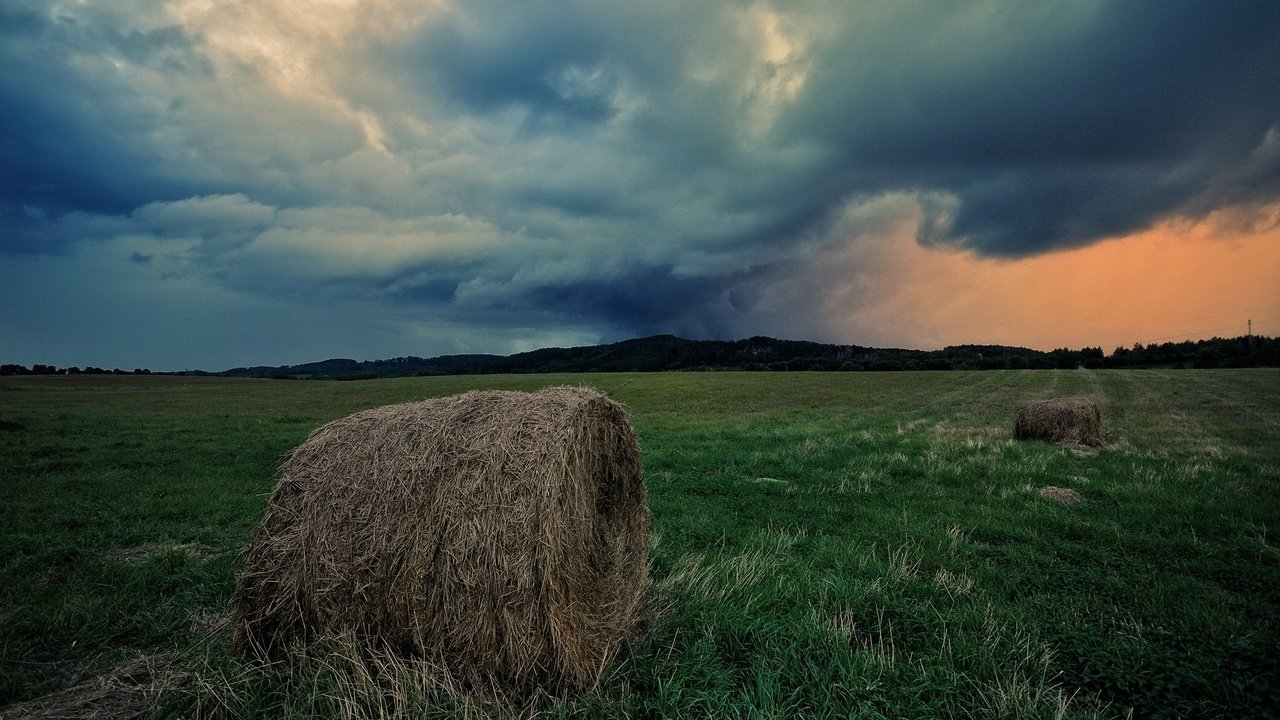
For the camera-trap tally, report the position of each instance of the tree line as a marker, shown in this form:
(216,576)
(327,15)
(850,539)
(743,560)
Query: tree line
(38,369)
(668,353)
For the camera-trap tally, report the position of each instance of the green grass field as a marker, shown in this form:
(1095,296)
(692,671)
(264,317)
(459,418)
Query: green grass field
(825,545)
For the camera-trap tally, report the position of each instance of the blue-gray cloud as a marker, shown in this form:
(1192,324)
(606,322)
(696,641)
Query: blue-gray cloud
(1059,124)
(614,170)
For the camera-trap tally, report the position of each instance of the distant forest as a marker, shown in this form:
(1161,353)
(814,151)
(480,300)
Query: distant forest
(668,352)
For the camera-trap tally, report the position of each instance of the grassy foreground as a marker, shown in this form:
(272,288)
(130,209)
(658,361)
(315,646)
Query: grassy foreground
(825,545)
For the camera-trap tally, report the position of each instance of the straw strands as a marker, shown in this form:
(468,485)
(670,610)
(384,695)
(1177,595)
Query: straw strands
(1069,420)
(501,533)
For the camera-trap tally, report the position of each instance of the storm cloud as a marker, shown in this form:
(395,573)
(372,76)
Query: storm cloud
(579,170)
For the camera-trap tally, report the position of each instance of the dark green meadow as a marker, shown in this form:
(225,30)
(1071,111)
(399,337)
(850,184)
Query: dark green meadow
(825,544)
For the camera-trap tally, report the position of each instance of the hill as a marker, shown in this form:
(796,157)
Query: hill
(668,352)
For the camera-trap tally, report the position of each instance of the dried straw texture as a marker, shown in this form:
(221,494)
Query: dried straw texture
(128,690)
(1063,496)
(1070,420)
(503,533)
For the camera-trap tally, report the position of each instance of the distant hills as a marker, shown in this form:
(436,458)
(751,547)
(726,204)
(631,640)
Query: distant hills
(668,352)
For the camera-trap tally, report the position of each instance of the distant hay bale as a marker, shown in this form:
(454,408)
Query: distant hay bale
(503,533)
(1069,420)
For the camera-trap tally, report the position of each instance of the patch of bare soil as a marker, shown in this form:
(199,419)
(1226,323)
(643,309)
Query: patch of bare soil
(1065,496)
(142,553)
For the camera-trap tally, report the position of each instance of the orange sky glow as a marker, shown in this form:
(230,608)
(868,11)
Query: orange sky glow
(1176,281)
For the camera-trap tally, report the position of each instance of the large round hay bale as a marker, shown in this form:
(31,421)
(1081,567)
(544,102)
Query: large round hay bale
(1070,420)
(502,533)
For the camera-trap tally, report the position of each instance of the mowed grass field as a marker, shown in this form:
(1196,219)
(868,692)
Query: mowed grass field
(824,545)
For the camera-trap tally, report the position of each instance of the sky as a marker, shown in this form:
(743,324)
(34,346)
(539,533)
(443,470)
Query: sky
(215,183)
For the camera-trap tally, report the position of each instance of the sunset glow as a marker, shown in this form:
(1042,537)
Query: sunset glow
(1177,281)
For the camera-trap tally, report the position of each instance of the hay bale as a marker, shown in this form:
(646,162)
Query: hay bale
(1069,420)
(503,533)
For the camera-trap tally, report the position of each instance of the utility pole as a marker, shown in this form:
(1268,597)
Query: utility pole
(1251,334)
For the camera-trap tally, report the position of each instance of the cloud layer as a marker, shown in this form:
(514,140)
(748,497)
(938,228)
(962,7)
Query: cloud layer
(573,170)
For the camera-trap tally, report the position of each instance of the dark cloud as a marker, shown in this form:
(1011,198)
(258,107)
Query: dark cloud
(560,58)
(617,169)
(74,137)
(109,108)
(1055,125)
(552,66)
(648,298)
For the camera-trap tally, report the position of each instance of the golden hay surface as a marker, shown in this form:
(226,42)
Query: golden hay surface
(1069,420)
(503,533)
